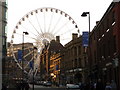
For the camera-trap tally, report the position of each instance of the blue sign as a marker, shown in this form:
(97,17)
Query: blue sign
(85,39)
(57,67)
(19,55)
(31,64)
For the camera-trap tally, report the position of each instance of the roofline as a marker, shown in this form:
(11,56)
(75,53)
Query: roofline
(107,11)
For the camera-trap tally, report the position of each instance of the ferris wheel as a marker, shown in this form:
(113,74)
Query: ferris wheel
(43,25)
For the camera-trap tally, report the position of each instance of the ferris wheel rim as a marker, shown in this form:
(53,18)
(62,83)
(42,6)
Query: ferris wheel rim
(35,11)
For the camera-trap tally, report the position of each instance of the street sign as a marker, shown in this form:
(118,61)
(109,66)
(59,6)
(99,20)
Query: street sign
(31,64)
(85,39)
(57,67)
(19,55)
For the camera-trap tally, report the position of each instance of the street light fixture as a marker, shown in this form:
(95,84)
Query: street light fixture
(84,14)
(24,33)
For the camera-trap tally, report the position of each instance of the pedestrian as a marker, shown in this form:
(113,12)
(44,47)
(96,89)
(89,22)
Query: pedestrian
(94,86)
(108,87)
(100,85)
(113,85)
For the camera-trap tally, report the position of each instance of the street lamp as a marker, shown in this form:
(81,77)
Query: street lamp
(34,48)
(24,33)
(84,14)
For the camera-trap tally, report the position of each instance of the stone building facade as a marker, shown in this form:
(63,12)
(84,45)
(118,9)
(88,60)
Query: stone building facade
(74,62)
(3,37)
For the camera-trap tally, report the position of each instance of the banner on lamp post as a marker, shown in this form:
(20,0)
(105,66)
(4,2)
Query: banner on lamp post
(19,55)
(85,39)
(31,64)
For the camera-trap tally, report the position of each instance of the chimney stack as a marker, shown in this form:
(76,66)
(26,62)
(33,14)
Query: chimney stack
(97,22)
(58,39)
(74,36)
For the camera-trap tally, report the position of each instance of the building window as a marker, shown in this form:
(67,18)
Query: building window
(104,49)
(75,51)
(79,50)
(113,18)
(79,60)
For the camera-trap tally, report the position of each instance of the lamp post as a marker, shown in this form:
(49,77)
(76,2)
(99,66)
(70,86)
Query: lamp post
(34,48)
(24,33)
(84,14)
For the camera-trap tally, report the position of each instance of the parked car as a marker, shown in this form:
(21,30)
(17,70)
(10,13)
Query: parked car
(47,83)
(75,86)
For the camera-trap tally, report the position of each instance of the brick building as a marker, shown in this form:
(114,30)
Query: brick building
(55,60)
(105,46)
(50,49)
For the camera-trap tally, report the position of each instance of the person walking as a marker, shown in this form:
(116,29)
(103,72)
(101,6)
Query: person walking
(100,85)
(108,87)
(113,85)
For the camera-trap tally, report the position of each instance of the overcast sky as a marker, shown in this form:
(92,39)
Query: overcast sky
(18,8)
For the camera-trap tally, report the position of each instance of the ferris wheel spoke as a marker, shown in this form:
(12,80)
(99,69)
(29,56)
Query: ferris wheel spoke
(61,27)
(32,38)
(56,23)
(33,58)
(36,70)
(27,54)
(69,30)
(29,30)
(27,64)
(51,19)
(30,71)
(33,26)
(27,48)
(44,22)
(27,36)
(39,24)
